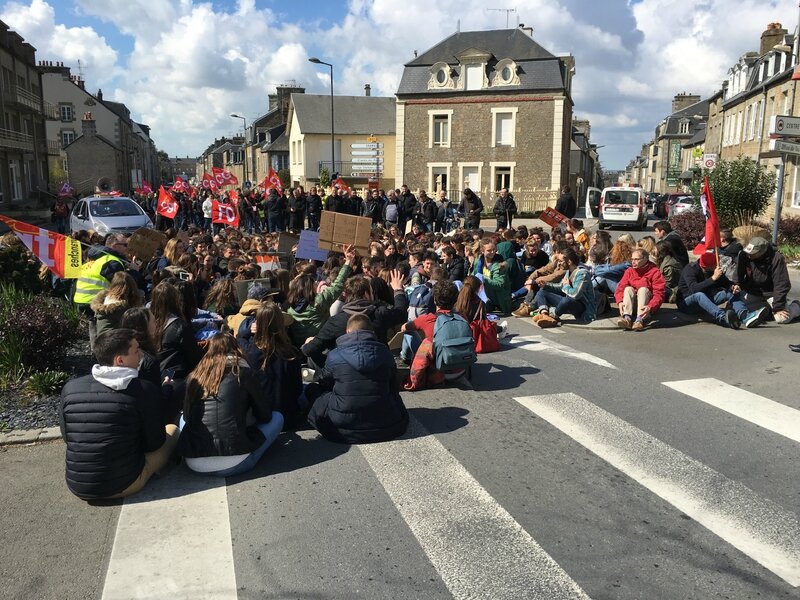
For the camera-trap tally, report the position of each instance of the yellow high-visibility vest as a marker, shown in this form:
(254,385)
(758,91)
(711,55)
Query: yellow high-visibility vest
(90,283)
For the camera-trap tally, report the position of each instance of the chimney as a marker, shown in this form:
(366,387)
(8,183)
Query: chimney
(367,90)
(99,95)
(683,100)
(582,126)
(88,125)
(772,36)
(528,30)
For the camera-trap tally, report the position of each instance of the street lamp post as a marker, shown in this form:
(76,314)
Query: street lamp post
(317,61)
(244,126)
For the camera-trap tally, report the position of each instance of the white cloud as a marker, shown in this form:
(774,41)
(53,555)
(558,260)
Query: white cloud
(193,63)
(37,24)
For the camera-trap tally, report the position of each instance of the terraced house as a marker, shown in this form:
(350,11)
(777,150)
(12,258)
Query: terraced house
(486,110)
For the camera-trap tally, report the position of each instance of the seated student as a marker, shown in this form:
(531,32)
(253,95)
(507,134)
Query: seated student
(311,309)
(575,227)
(358,300)
(112,425)
(221,299)
(573,295)
(267,348)
(640,291)
(142,321)
(664,232)
(553,271)
(424,372)
(223,396)
(177,347)
(109,305)
(730,245)
(422,272)
(496,284)
(356,398)
(670,268)
(453,264)
(606,276)
(703,287)
(763,277)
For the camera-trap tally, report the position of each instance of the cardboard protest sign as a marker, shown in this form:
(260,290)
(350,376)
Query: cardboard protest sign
(308,247)
(286,241)
(338,229)
(241,288)
(144,243)
(552,217)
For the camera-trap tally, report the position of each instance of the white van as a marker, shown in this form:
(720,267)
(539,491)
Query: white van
(626,206)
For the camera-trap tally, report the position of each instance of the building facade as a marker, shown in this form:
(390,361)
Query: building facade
(485,110)
(23,146)
(364,139)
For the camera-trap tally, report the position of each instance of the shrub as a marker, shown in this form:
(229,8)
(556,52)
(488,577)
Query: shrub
(17,268)
(46,383)
(691,226)
(35,334)
(742,190)
(789,231)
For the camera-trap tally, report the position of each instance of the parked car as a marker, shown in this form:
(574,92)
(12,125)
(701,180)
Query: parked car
(623,206)
(108,214)
(681,204)
(665,202)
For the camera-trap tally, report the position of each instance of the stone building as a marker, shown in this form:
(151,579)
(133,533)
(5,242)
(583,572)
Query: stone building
(93,158)
(486,110)
(23,146)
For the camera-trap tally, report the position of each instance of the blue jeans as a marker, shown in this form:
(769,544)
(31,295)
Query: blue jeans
(605,285)
(700,302)
(270,431)
(563,303)
(411,343)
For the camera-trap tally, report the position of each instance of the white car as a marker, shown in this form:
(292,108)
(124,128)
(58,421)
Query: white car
(682,204)
(108,214)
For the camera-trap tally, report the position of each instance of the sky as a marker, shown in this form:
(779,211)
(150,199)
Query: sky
(183,66)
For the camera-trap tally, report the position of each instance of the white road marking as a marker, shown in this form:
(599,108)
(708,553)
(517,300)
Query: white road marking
(756,526)
(539,343)
(765,413)
(477,547)
(173,541)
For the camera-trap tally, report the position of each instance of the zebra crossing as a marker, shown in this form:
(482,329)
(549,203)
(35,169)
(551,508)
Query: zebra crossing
(476,547)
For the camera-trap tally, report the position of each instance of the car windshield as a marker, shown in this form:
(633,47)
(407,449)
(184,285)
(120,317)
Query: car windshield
(622,197)
(682,199)
(114,207)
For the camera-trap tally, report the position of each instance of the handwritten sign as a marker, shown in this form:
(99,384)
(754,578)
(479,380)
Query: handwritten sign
(552,217)
(338,229)
(308,246)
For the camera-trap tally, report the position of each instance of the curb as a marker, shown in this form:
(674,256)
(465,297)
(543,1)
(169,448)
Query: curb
(30,436)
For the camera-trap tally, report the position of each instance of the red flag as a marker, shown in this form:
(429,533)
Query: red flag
(209,182)
(224,176)
(272,181)
(224,213)
(59,253)
(712,237)
(234,196)
(180,185)
(167,206)
(340,184)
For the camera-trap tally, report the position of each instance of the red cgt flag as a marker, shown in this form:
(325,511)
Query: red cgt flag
(272,181)
(224,176)
(180,185)
(341,185)
(167,206)
(209,182)
(224,213)
(712,236)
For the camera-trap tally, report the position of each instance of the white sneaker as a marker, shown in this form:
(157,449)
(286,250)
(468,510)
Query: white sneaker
(502,330)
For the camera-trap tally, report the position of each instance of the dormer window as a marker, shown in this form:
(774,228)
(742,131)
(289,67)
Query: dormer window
(683,126)
(505,73)
(474,79)
(440,76)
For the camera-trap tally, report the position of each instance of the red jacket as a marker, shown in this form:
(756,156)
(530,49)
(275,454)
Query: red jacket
(648,276)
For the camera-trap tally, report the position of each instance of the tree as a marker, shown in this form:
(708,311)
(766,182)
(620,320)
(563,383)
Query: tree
(57,176)
(742,190)
(324,177)
(285,177)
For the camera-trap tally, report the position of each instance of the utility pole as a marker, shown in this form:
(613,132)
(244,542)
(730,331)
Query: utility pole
(508,12)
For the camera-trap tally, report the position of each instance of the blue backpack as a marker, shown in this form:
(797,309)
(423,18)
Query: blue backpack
(453,345)
(420,302)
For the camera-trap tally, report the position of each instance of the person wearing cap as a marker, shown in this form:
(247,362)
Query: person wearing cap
(256,294)
(762,276)
(703,287)
(640,291)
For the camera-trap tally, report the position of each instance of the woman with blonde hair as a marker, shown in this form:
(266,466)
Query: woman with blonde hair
(267,348)
(109,305)
(648,243)
(172,254)
(223,398)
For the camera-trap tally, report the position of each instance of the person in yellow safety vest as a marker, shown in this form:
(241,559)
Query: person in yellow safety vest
(96,274)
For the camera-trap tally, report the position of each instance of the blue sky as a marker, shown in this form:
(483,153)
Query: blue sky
(182,66)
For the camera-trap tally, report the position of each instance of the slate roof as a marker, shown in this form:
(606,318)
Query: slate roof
(538,68)
(281,144)
(695,113)
(503,43)
(699,136)
(353,115)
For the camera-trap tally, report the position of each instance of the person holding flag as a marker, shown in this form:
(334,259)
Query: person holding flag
(166,208)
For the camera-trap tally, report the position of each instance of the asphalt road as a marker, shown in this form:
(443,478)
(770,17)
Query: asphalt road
(569,471)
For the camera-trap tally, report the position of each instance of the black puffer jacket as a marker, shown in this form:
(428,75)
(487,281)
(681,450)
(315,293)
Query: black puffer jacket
(107,433)
(361,403)
(764,276)
(179,349)
(457,269)
(408,204)
(383,318)
(217,425)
